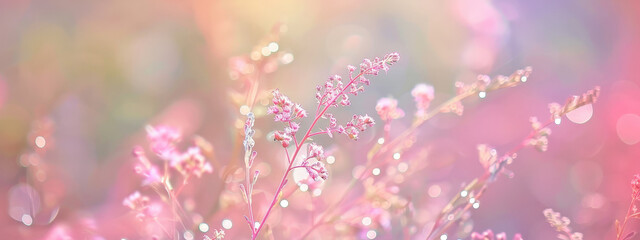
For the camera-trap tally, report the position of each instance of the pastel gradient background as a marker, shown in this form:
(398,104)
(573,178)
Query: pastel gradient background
(89,75)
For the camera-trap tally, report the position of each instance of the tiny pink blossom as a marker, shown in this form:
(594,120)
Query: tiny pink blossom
(555,109)
(282,137)
(422,94)
(373,67)
(635,184)
(316,170)
(163,140)
(488,235)
(135,201)
(315,151)
(191,163)
(388,109)
(145,168)
(141,205)
(455,107)
(357,124)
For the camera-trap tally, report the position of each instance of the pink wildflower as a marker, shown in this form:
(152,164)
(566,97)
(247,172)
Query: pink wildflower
(316,170)
(358,124)
(488,235)
(191,163)
(285,110)
(635,184)
(388,109)
(539,140)
(141,205)
(373,67)
(315,151)
(455,107)
(422,94)
(145,168)
(217,235)
(282,137)
(556,220)
(163,139)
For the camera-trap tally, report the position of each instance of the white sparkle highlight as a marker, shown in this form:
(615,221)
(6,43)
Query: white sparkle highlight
(366,221)
(371,234)
(203,227)
(227,224)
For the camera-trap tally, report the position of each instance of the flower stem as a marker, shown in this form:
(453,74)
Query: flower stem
(626,218)
(293,157)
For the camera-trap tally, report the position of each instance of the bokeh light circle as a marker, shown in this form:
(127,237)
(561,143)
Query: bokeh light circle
(628,128)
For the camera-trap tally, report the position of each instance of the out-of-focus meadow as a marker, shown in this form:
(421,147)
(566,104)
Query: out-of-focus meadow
(80,80)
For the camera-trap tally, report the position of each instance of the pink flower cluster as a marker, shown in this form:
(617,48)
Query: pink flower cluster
(316,169)
(333,93)
(373,67)
(635,184)
(561,224)
(145,168)
(358,124)
(334,88)
(163,141)
(140,204)
(539,139)
(572,103)
(191,163)
(422,94)
(285,111)
(388,109)
(488,235)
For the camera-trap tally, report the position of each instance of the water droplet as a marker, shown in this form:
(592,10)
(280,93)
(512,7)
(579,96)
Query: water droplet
(23,200)
(557,121)
(581,115)
(27,220)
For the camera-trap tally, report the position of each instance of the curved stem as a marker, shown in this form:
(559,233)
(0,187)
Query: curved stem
(437,230)
(417,123)
(626,218)
(293,157)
